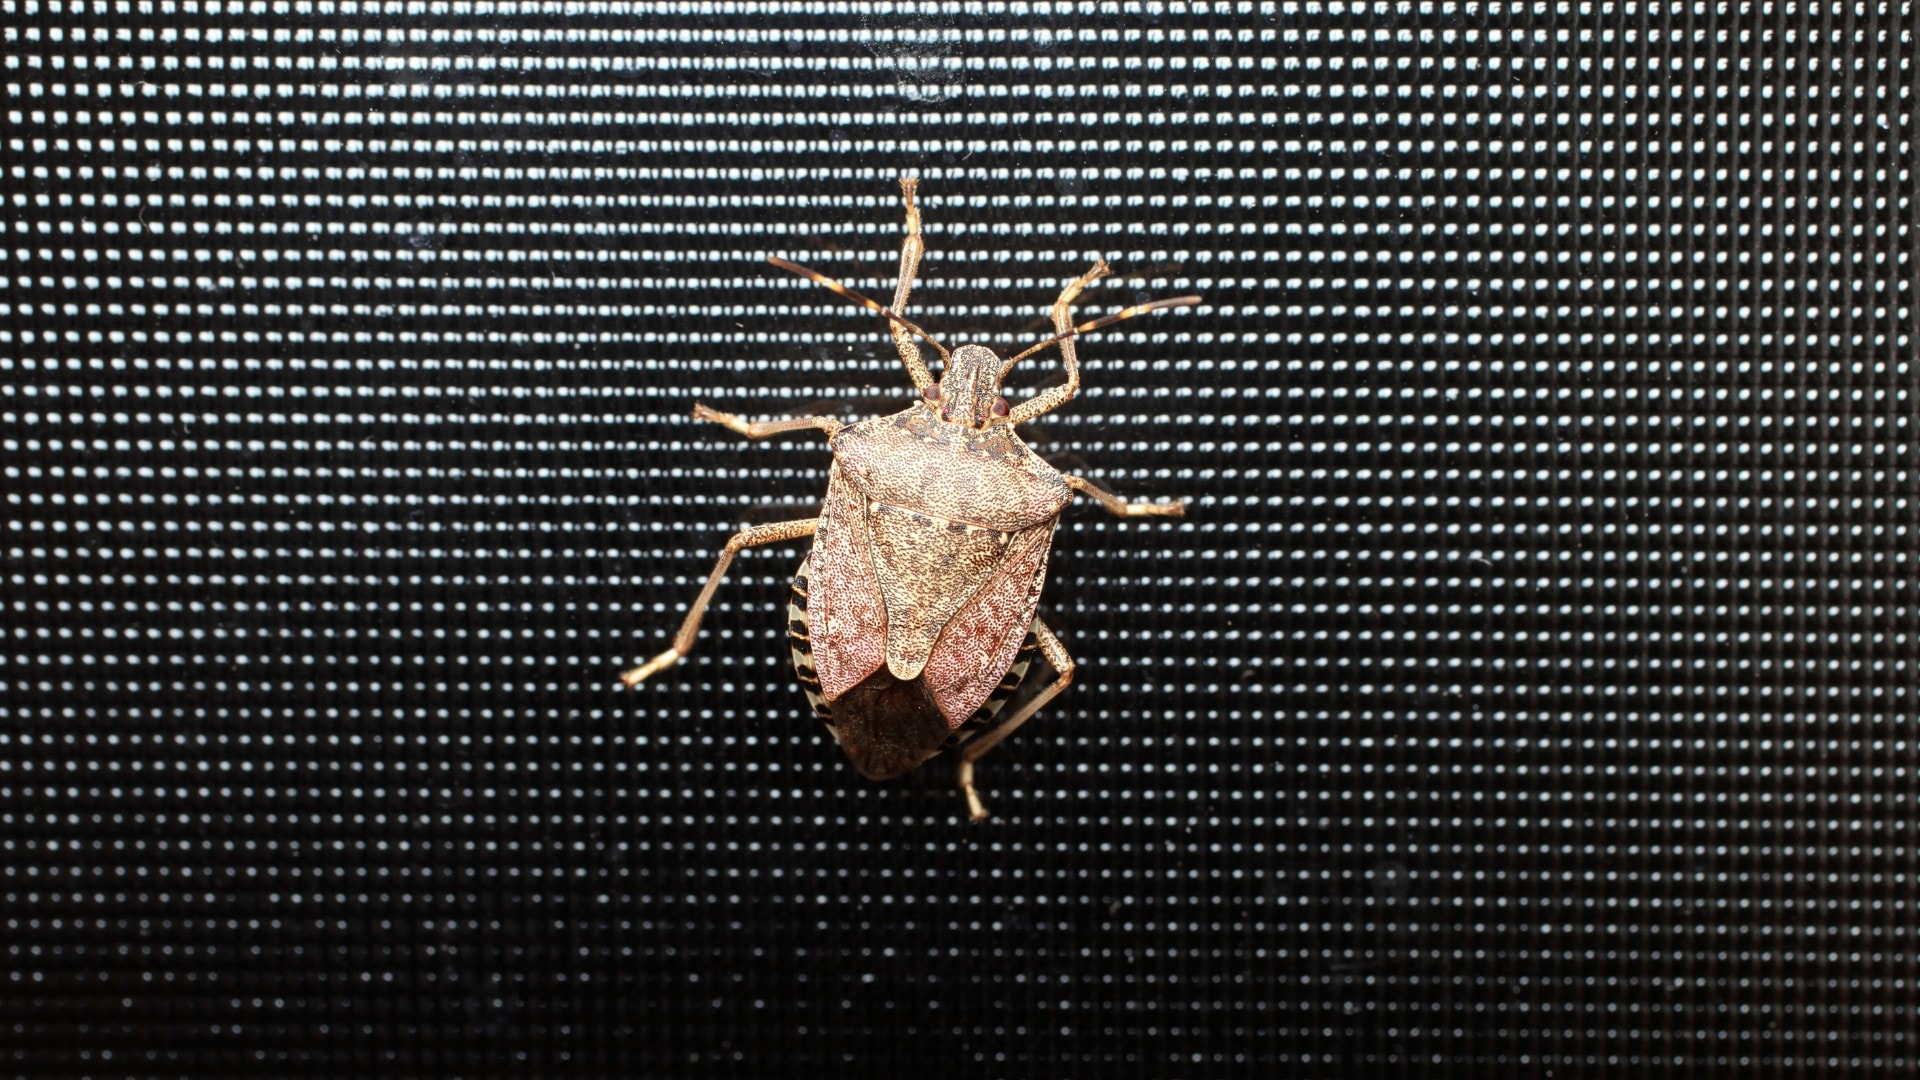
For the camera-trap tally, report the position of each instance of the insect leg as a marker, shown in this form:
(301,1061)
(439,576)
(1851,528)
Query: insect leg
(1120,507)
(763,428)
(1056,655)
(910,252)
(1045,403)
(745,538)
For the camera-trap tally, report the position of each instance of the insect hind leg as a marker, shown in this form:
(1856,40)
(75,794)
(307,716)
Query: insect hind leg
(1063,665)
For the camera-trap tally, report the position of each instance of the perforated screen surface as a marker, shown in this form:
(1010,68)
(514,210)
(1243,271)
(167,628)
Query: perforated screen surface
(1529,688)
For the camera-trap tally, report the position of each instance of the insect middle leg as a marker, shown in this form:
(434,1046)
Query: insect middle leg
(1120,507)
(690,627)
(761,429)
(1056,655)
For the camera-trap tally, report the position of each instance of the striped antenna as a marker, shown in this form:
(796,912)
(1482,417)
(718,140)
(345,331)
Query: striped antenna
(1104,320)
(822,279)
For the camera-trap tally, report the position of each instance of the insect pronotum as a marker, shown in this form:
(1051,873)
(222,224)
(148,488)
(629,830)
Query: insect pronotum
(913,619)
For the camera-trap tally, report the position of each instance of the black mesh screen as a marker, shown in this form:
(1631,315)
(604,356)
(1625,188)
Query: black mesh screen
(1529,691)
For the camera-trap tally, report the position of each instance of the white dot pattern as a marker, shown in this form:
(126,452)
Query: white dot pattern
(1530,689)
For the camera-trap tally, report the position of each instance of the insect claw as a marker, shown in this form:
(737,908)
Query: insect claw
(725,420)
(652,667)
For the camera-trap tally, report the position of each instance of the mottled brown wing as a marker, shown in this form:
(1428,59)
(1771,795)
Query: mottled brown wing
(845,616)
(979,642)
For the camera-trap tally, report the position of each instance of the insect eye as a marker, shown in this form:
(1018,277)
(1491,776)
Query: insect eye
(1000,407)
(931,393)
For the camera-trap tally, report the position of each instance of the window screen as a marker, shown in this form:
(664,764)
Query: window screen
(1529,689)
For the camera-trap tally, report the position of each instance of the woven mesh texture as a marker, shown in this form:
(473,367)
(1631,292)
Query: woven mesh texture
(1529,691)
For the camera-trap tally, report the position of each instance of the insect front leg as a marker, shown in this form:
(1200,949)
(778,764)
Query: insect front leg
(745,538)
(910,251)
(1044,403)
(763,428)
(1120,507)
(1056,655)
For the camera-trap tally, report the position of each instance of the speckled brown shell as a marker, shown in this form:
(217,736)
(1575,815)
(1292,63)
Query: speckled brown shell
(886,727)
(930,556)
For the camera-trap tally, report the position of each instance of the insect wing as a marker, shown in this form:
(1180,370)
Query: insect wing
(979,643)
(845,616)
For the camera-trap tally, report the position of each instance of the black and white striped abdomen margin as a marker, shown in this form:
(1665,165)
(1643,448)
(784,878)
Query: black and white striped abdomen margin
(800,638)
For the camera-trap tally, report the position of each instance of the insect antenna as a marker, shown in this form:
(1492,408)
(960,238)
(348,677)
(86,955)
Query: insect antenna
(1104,320)
(870,305)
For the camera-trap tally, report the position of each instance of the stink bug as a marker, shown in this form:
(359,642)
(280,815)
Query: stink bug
(913,618)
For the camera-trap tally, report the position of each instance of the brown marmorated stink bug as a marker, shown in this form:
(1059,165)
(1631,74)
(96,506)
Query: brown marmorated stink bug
(913,617)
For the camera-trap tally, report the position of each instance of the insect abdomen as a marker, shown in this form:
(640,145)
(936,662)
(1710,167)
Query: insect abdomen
(800,637)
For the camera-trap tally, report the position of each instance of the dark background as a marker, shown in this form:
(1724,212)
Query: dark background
(1529,692)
